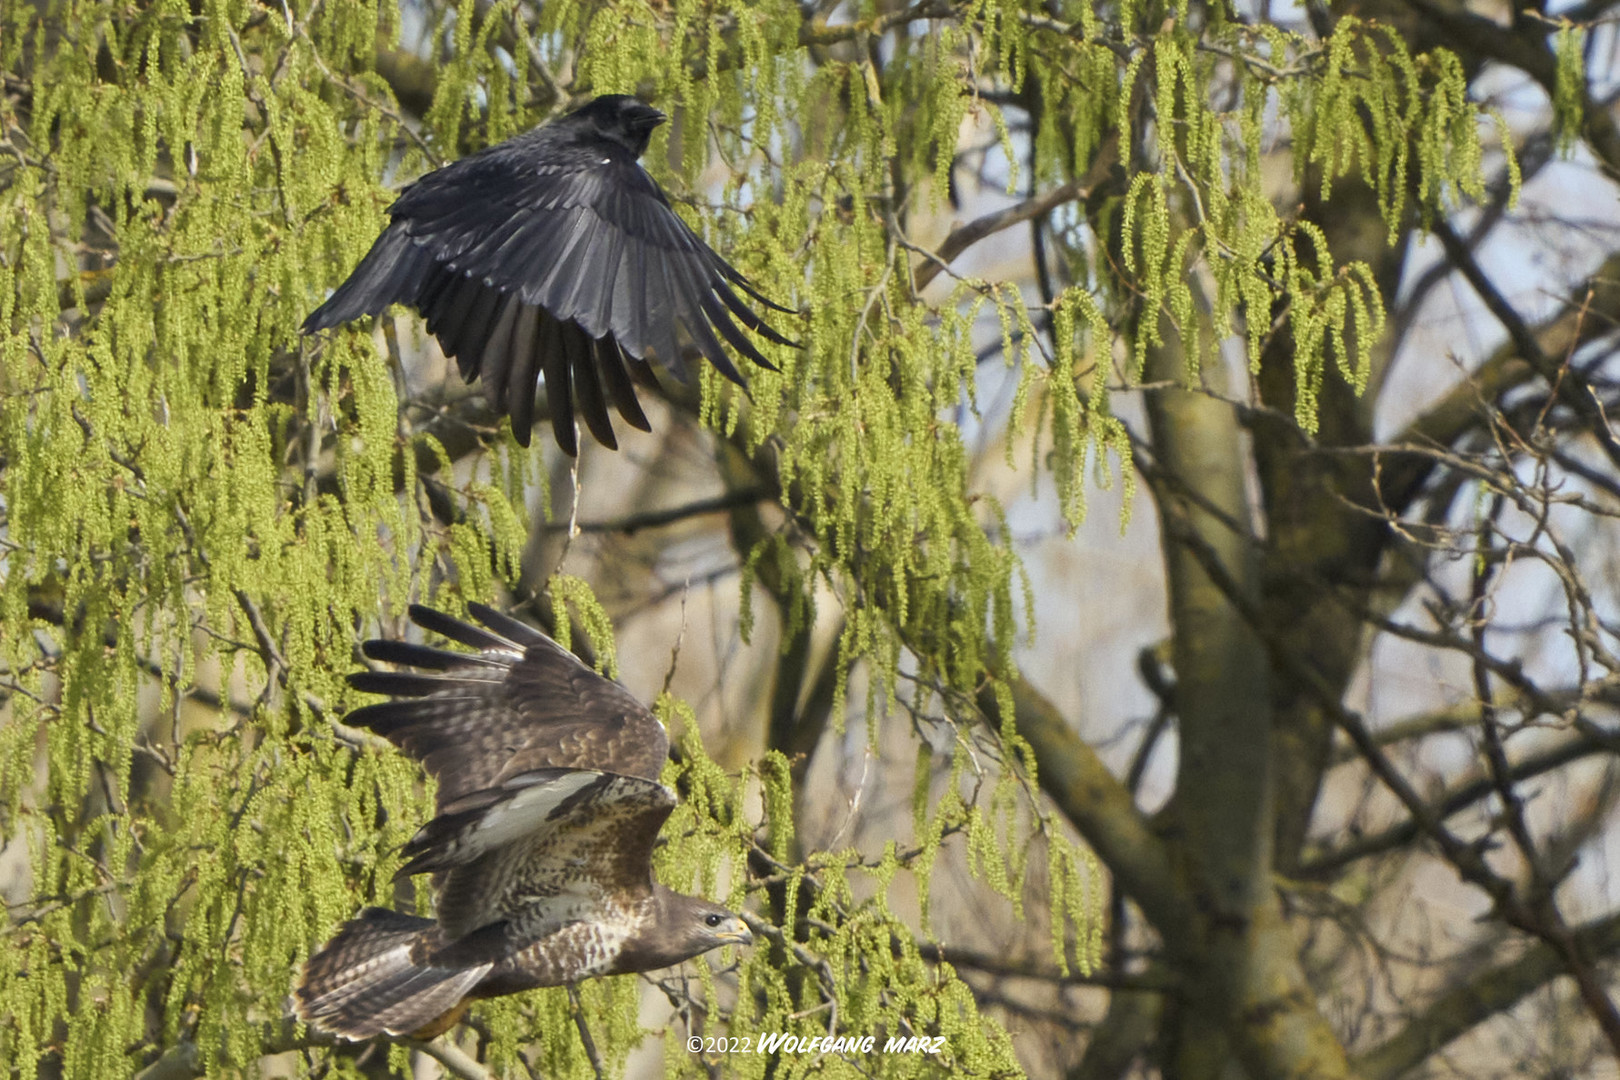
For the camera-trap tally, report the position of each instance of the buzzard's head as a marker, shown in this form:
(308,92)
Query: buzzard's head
(714,926)
(695,926)
(681,928)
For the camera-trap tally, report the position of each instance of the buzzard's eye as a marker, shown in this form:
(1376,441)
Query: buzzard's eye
(712,920)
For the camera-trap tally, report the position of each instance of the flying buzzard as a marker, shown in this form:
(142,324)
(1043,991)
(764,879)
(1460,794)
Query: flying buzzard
(554,252)
(548,807)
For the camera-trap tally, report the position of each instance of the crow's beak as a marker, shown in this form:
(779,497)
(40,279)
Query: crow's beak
(645,118)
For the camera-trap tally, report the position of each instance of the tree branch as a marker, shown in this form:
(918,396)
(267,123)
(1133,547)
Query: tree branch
(1159,982)
(965,236)
(1524,47)
(456,1061)
(817,32)
(1459,717)
(1459,412)
(1565,382)
(1458,799)
(1458,1010)
(653,519)
(1532,915)
(1098,805)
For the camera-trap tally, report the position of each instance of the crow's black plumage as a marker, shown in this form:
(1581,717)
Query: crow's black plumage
(554,254)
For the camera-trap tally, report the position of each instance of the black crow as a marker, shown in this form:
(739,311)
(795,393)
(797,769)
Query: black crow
(555,254)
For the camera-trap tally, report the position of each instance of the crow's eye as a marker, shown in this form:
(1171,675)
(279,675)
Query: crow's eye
(713,920)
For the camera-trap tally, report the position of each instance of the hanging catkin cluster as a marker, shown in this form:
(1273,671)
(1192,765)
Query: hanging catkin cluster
(202,513)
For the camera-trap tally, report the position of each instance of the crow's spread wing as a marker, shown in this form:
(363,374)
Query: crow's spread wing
(520,704)
(540,256)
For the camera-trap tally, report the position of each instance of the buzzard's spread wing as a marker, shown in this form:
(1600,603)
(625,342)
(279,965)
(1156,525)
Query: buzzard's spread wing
(545,849)
(549,807)
(549,800)
(520,704)
(555,253)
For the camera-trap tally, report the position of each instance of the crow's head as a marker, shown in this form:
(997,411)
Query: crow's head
(621,119)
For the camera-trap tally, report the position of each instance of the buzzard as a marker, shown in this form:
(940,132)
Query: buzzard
(555,253)
(548,808)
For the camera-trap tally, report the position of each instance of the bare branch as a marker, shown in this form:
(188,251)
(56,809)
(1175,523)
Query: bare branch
(965,236)
(1459,798)
(653,519)
(457,1062)
(1485,995)
(1566,383)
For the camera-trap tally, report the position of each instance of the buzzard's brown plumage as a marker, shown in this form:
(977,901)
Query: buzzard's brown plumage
(548,807)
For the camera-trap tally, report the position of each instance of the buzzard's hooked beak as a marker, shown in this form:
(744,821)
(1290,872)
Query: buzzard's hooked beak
(735,932)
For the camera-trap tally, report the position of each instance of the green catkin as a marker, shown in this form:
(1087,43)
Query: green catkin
(198,821)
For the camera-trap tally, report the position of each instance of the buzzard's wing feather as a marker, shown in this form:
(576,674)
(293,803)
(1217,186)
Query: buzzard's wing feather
(520,704)
(546,848)
(410,684)
(504,634)
(378,975)
(513,630)
(425,656)
(556,806)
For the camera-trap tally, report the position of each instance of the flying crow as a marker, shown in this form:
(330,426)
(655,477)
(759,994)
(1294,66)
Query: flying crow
(555,254)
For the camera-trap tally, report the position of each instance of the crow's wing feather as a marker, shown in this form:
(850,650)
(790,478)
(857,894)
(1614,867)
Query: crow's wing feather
(393,269)
(468,344)
(558,233)
(559,395)
(588,388)
(575,227)
(610,361)
(517,399)
(496,363)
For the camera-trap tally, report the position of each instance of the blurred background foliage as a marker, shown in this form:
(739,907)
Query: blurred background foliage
(1335,282)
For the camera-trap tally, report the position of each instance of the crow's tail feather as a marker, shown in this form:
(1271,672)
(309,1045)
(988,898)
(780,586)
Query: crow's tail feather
(377,975)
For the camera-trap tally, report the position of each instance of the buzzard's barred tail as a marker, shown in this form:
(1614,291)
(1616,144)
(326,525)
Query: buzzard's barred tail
(376,976)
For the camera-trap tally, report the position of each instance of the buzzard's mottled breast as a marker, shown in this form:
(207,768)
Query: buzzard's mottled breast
(549,806)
